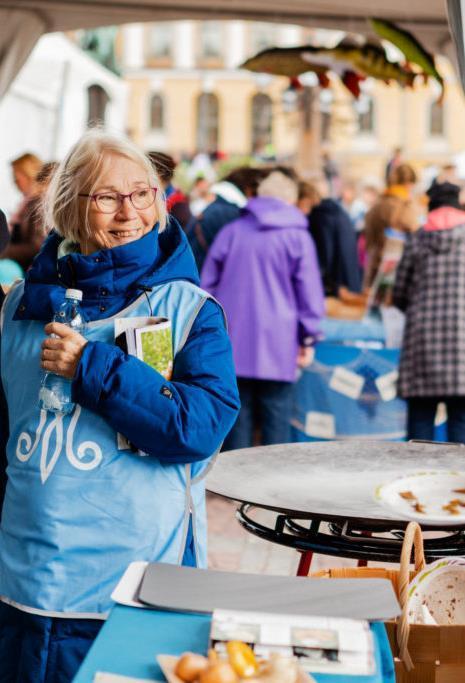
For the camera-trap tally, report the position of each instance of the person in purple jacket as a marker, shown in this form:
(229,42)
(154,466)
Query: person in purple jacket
(263,269)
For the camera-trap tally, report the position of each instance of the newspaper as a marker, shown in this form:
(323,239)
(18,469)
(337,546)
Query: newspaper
(321,644)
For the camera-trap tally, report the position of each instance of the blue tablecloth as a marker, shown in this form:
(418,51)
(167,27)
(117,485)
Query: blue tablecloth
(370,329)
(131,638)
(323,411)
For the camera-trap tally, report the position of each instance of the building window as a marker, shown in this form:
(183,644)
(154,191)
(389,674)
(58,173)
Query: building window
(262,117)
(156,112)
(97,100)
(160,41)
(211,44)
(326,106)
(366,114)
(436,119)
(207,123)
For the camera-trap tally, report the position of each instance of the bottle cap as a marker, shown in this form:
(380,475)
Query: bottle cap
(73,294)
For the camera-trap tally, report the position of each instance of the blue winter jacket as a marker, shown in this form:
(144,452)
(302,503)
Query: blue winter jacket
(336,245)
(203,402)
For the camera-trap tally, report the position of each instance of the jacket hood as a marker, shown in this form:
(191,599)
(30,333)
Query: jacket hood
(328,207)
(440,241)
(444,218)
(110,279)
(230,193)
(274,214)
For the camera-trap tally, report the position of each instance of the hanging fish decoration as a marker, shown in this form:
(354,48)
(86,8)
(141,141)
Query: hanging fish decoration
(352,63)
(348,59)
(352,81)
(371,60)
(285,62)
(293,61)
(411,48)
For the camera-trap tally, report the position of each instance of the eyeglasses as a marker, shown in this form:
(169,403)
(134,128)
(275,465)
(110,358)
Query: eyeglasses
(111,202)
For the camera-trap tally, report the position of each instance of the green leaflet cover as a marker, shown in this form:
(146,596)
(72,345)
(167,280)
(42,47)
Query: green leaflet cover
(149,339)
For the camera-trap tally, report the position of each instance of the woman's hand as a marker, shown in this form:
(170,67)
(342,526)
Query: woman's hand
(61,354)
(305,356)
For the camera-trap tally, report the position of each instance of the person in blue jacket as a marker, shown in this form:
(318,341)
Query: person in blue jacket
(81,502)
(231,196)
(335,240)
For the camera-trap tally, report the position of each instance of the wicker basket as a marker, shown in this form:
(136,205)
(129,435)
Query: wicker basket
(422,653)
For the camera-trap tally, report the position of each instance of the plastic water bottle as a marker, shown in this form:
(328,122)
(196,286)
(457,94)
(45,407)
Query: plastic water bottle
(55,391)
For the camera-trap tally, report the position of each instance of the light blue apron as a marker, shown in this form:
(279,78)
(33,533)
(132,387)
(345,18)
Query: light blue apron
(77,510)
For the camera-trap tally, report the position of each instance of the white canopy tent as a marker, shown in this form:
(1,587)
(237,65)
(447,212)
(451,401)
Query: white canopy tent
(23,21)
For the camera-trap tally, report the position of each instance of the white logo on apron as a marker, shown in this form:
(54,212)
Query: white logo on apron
(47,462)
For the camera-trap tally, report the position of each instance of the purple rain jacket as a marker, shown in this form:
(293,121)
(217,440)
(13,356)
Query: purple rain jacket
(263,269)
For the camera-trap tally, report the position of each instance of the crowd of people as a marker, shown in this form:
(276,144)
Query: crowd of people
(282,248)
(279,253)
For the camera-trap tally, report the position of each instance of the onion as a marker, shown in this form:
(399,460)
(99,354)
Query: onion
(190,666)
(220,672)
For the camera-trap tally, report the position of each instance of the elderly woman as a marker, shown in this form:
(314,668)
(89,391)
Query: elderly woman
(80,504)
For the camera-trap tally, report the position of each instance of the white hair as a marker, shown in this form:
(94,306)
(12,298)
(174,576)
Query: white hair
(279,186)
(80,171)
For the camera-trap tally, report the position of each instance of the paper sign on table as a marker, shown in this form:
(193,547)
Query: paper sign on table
(320,425)
(347,383)
(387,385)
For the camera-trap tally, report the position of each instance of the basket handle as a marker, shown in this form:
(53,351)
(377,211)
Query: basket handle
(413,538)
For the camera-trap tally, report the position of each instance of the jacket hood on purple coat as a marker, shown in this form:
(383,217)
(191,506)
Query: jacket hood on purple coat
(274,214)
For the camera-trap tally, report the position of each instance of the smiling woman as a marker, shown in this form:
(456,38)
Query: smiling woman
(114,217)
(105,501)
(91,198)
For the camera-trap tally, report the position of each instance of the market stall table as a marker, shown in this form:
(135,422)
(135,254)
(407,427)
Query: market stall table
(132,637)
(307,484)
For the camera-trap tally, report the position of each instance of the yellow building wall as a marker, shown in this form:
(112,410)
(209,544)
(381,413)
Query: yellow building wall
(401,119)
(235,113)
(136,111)
(180,114)
(234,134)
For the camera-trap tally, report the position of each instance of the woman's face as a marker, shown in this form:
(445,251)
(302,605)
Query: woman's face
(22,181)
(126,224)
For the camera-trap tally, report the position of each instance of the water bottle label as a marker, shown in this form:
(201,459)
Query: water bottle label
(49,400)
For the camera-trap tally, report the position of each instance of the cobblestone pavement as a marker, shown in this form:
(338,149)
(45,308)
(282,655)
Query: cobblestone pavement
(231,548)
